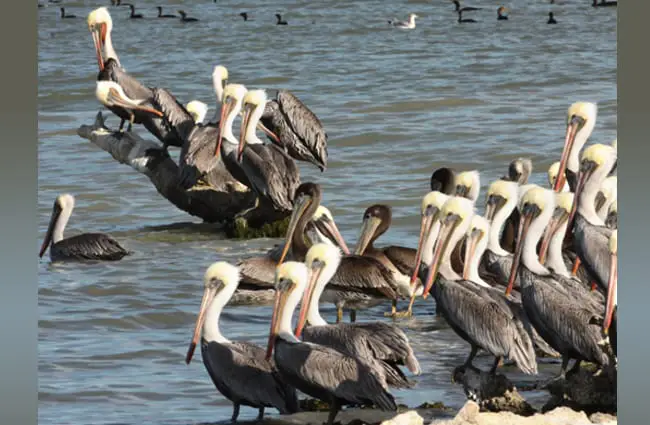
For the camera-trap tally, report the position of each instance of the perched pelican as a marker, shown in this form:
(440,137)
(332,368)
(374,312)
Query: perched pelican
(316,370)
(359,281)
(64,16)
(87,246)
(273,175)
(553,171)
(111,94)
(443,180)
(590,235)
(239,370)
(464,20)
(469,309)
(410,24)
(184,17)
(133,14)
(386,344)
(468,185)
(561,318)
(581,119)
(500,13)
(551,18)
(463,9)
(398,259)
(161,15)
(279,20)
(198,110)
(609,323)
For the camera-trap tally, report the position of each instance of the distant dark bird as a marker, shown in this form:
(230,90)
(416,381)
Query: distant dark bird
(500,14)
(602,3)
(64,16)
(280,21)
(244,15)
(184,17)
(464,9)
(40,5)
(116,2)
(55,1)
(461,20)
(160,14)
(133,14)
(551,19)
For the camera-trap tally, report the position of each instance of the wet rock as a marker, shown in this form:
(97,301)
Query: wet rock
(492,393)
(249,227)
(585,390)
(602,418)
(409,418)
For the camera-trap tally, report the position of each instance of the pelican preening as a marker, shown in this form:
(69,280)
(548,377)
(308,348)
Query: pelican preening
(410,24)
(111,94)
(86,246)
(238,369)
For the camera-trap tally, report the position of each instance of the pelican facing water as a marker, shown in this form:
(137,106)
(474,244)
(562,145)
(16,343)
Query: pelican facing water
(87,246)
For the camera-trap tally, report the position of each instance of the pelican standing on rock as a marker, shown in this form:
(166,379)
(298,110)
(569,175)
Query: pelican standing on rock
(381,342)
(316,370)
(239,370)
(87,246)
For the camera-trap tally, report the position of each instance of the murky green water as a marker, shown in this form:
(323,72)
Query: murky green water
(396,104)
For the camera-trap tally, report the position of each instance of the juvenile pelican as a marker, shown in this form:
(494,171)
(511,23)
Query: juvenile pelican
(560,318)
(386,344)
(110,94)
(239,370)
(87,246)
(581,119)
(410,24)
(316,370)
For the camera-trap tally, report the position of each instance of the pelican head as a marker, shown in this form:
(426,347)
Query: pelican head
(536,207)
(100,26)
(597,160)
(612,282)
(322,260)
(306,199)
(499,193)
(479,229)
(233,95)
(520,169)
(455,217)
(607,194)
(252,108)
(552,173)
(376,220)
(581,119)
(291,280)
(325,224)
(468,184)
(63,203)
(198,110)
(219,278)
(219,80)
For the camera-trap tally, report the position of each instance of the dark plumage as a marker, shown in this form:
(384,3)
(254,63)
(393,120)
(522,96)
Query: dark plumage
(161,15)
(279,20)
(184,17)
(551,20)
(64,16)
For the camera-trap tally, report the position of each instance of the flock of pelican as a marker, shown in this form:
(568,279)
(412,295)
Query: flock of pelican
(534,276)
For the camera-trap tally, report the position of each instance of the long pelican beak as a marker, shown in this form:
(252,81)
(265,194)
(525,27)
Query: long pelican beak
(571,130)
(368,229)
(278,307)
(492,206)
(470,249)
(269,133)
(242,133)
(586,170)
(316,270)
(208,296)
(298,212)
(446,229)
(98,40)
(559,215)
(226,107)
(611,293)
(332,230)
(56,212)
(116,99)
(426,223)
(526,218)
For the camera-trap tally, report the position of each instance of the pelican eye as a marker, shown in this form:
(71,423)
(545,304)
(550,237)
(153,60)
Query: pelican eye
(429,210)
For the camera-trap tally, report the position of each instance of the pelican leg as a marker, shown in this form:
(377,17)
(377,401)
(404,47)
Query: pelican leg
(339,314)
(409,310)
(334,410)
(353,316)
(495,365)
(235,412)
(472,354)
(393,310)
(131,120)
(260,416)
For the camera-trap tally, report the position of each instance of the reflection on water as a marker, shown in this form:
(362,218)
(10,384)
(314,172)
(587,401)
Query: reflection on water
(396,105)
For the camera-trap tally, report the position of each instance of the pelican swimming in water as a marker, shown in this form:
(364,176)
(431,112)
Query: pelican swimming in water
(240,370)
(479,318)
(398,259)
(410,24)
(319,371)
(381,342)
(562,319)
(590,235)
(111,94)
(581,119)
(553,172)
(359,281)
(87,246)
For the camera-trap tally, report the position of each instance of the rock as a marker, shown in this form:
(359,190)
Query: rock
(409,418)
(602,418)
(584,390)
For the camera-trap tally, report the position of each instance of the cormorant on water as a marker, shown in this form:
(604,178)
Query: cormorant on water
(184,17)
(280,21)
(461,20)
(551,19)
(160,14)
(64,16)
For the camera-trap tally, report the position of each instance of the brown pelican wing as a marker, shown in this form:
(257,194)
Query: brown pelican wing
(132,87)
(591,245)
(179,121)
(241,373)
(89,246)
(364,274)
(257,273)
(197,156)
(314,368)
(403,258)
(270,175)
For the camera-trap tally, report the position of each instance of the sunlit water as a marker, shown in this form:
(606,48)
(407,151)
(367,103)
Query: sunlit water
(396,105)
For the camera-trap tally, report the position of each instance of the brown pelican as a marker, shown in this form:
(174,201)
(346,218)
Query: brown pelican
(590,235)
(553,171)
(468,185)
(398,259)
(87,246)
(381,342)
(316,370)
(239,370)
(359,281)
(110,94)
(407,25)
(501,202)
(611,307)
(444,180)
(198,110)
(581,119)
(184,17)
(469,309)
(561,318)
